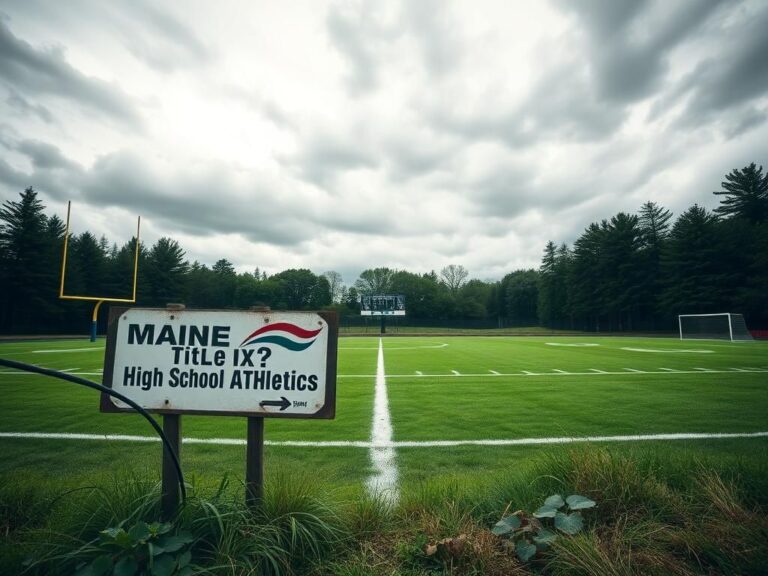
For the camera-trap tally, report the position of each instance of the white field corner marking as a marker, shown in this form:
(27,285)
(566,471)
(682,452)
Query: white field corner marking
(384,481)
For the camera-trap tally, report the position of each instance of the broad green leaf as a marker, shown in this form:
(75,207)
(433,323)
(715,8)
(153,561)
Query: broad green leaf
(101,565)
(185,559)
(116,537)
(546,512)
(506,525)
(174,543)
(544,536)
(569,523)
(139,532)
(525,550)
(126,566)
(163,565)
(110,534)
(554,501)
(577,502)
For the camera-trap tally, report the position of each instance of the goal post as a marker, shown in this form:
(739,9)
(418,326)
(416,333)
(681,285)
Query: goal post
(723,326)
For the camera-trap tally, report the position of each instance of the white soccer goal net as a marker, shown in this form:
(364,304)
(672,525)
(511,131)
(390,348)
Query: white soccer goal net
(724,326)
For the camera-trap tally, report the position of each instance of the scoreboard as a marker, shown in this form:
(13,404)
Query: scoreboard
(382,305)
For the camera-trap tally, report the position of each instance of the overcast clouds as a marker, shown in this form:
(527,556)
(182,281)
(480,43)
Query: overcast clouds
(347,135)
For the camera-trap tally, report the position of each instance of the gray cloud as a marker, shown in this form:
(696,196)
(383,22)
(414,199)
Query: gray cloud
(46,71)
(207,202)
(630,42)
(22,106)
(13,179)
(168,45)
(736,76)
(45,156)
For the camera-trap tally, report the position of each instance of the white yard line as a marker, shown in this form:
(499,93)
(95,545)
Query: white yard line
(596,371)
(494,374)
(560,371)
(67,350)
(455,372)
(392,445)
(384,480)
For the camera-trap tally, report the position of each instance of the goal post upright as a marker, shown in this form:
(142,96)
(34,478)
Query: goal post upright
(99,299)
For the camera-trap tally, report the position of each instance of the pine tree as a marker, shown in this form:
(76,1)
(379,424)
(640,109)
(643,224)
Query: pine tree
(746,194)
(25,272)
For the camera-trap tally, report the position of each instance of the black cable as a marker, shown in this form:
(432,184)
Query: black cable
(95,386)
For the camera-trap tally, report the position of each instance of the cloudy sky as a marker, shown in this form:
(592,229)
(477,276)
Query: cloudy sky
(348,135)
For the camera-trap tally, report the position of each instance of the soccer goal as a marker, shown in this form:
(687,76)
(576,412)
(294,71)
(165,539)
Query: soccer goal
(724,326)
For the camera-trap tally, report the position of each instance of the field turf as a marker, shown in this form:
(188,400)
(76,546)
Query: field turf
(460,389)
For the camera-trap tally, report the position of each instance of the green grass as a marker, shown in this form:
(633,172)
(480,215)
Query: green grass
(707,393)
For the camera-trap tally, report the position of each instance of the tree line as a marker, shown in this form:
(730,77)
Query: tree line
(629,272)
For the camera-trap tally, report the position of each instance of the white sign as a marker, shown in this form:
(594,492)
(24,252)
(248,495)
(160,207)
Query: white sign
(224,362)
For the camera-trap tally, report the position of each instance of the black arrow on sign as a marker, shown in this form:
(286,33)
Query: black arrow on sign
(283,403)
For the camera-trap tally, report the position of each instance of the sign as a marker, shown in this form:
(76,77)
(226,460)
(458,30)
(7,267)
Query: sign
(382,305)
(245,363)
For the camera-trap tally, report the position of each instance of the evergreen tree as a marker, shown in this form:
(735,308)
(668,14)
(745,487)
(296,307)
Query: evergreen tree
(746,194)
(166,272)
(26,272)
(690,264)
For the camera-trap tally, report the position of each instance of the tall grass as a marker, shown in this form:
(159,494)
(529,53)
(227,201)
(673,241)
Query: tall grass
(679,516)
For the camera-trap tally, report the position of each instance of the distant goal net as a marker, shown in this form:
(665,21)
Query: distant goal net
(724,326)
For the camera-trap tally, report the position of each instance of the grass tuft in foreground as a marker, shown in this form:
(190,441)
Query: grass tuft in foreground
(675,516)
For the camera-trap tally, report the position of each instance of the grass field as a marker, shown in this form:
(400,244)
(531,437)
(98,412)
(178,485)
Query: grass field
(449,390)
(669,437)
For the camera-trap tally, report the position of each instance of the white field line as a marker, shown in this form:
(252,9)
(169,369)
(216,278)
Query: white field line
(392,445)
(596,371)
(494,372)
(703,369)
(455,372)
(62,351)
(384,481)
(624,372)
(560,371)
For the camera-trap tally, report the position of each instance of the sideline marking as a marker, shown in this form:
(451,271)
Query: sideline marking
(384,481)
(443,345)
(578,344)
(628,372)
(392,445)
(699,351)
(58,351)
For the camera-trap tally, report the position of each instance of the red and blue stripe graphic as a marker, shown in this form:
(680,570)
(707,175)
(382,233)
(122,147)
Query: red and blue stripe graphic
(283,334)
